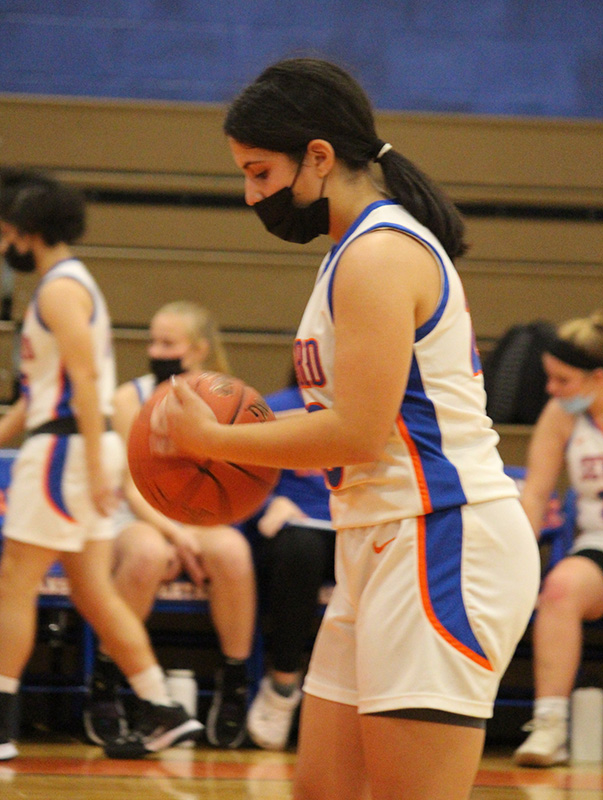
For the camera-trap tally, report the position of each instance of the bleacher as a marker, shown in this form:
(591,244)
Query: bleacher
(167,221)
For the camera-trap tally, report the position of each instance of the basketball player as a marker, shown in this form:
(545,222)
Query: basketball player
(437,566)
(64,482)
(150,548)
(570,429)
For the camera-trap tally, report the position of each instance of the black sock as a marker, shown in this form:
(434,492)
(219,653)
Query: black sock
(234,671)
(106,676)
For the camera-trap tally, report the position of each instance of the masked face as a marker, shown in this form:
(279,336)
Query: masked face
(578,404)
(293,223)
(20,262)
(164,368)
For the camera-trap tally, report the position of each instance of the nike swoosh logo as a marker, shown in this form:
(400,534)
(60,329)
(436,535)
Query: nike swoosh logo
(378,548)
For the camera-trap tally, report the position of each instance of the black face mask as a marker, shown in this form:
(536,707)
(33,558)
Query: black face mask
(293,223)
(20,262)
(164,368)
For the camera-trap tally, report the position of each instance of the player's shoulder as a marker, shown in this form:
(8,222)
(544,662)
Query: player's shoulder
(128,393)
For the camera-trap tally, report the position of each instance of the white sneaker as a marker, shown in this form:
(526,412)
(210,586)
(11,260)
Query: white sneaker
(8,751)
(547,743)
(271,715)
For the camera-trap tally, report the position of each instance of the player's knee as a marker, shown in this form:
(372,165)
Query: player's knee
(231,555)
(559,589)
(149,561)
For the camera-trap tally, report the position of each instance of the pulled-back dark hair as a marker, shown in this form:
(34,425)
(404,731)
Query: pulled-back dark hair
(36,203)
(297,100)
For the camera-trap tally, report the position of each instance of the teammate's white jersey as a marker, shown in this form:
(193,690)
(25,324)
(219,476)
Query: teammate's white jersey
(442,449)
(145,385)
(584,459)
(44,380)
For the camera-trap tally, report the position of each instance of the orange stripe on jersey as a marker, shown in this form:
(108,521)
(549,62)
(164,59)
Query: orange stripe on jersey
(431,615)
(416,463)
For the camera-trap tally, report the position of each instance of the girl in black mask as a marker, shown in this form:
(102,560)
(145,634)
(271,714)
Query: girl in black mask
(150,548)
(414,641)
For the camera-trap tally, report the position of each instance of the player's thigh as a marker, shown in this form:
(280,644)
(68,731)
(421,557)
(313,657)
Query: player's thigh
(330,761)
(415,759)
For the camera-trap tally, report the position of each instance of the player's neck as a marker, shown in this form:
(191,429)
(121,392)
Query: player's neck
(48,256)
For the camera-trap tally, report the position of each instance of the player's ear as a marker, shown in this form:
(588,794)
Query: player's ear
(321,155)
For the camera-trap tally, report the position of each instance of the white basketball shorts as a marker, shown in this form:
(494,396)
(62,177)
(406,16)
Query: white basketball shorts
(49,502)
(427,611)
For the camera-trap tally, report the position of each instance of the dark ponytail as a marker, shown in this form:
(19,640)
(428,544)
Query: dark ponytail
(297,100)
(424,199)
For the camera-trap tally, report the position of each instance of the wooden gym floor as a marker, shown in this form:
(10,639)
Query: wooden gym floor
(64,769)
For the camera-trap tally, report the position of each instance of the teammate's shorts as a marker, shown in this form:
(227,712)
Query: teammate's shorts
(49,502)
(427,612)
(123,517)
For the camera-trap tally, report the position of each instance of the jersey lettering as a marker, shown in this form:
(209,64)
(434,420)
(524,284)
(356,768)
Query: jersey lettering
(592,468)
(308,368)
(27,351)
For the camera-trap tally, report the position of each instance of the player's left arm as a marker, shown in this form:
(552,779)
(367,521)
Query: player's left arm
(66,307)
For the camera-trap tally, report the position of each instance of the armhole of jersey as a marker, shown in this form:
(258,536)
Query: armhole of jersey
(429,324)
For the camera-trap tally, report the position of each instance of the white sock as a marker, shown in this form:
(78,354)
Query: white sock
(558,706)
(9,685)
(150,685)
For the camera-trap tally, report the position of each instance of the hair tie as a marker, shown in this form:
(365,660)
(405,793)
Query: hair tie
(384,147)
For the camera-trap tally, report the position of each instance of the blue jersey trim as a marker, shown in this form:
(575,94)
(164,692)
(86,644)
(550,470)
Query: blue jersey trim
(56,469)
(441,477)
(444,554)
(430,324)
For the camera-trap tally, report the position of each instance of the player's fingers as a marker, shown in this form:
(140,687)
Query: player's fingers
(158,421)
(161,445)
(183,392)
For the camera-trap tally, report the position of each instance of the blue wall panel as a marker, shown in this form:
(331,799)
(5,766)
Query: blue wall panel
(540,57)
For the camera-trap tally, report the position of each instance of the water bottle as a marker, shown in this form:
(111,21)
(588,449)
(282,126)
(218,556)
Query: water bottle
(586,739)
(182,688)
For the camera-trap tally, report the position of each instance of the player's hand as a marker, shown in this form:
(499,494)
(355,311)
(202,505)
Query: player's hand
(103,494)
(279,512)
(190,554)
(178,422)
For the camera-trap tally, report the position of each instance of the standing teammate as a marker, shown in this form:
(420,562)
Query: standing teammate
(64,483)
(437,567)
(570,429)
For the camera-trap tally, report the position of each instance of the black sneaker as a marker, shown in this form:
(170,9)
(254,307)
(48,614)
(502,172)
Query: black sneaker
(226,719)
(156,728)
(8,725)
(104,713)
(105,719)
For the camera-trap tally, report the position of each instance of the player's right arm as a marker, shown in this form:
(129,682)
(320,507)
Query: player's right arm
(13,422)
(545,461)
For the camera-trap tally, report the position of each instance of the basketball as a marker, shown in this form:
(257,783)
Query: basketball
(212,492)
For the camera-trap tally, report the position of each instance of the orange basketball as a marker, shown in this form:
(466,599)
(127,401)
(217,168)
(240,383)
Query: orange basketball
(212,492)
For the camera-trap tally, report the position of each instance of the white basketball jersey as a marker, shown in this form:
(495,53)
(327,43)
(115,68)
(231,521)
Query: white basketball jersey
(441,451)
(584,459)
(145,385)
(44,379)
